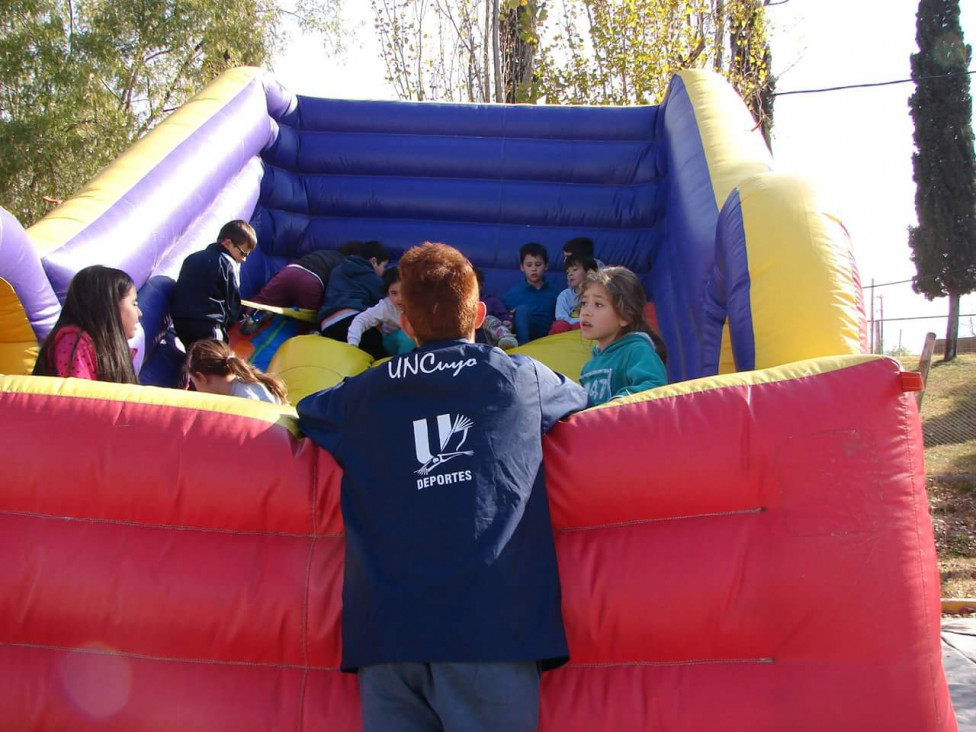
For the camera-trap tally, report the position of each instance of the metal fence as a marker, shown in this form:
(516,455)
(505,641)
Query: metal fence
(899,323)
(948,404)
(899,318)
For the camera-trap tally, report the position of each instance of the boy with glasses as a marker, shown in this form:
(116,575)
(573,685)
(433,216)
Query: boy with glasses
(207,299)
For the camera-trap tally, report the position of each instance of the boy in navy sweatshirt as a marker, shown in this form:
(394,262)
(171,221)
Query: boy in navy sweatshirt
(533,301)
(451,599)
(354,286)
(207,299)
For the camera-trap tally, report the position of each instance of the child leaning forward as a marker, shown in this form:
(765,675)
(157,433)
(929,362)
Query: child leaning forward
(377,330)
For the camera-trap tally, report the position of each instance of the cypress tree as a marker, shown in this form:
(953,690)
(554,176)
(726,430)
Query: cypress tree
(944,242)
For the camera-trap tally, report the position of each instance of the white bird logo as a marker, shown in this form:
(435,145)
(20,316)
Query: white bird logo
(448,431)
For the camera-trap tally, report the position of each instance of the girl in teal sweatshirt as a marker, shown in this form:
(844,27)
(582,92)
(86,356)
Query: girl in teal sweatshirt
(628,356)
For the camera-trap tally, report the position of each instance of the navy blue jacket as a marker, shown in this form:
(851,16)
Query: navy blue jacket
(321,262)
(207,288)
(353,284)
(449,547)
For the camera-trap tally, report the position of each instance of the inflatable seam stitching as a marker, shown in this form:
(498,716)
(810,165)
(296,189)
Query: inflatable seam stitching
(546,183)
(172,527)
(656,223)
(933,674)
(640,522)
(166,659)
(308,575)
(655,141)
(737,380)
(375,133)
(690,662)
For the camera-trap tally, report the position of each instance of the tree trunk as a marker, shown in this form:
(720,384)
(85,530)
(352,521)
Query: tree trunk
(496,51)
(518,54)
(488,38)
(952,329)
(719,38)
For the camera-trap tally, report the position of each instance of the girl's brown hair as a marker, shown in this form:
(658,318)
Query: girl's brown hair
(210,357)
(628,299)
(92,305)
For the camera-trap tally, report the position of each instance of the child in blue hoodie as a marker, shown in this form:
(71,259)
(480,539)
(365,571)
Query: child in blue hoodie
(354,286)
(628,357)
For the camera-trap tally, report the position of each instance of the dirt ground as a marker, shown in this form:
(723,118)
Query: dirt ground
(949,426)
(954,518)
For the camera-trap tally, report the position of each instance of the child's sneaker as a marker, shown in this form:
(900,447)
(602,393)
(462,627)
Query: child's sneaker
(493,328)
(251,324)
(507,342)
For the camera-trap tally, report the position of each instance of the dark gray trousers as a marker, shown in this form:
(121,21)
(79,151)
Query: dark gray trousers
(450,697)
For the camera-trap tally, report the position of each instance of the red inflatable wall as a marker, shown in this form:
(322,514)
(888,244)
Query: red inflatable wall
(751,552)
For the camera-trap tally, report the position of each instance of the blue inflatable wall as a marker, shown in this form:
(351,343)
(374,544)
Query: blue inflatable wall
(646,184)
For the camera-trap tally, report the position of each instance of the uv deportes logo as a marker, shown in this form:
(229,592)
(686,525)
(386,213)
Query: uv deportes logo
(452,433)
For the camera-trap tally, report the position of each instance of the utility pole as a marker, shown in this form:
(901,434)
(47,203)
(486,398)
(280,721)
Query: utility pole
(881,325)
(872,317)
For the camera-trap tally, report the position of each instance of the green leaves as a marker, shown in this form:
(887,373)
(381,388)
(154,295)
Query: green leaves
(625,51)
(447,49)
(81,80)
(944,242)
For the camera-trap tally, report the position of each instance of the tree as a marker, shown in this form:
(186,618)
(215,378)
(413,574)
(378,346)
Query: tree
(944,242)
(458,50)
(80,80)
(593,52)
(625,51)
(751,58)
(519,23)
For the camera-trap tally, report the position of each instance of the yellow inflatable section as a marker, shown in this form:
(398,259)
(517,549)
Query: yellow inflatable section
(805,290)
(310,363)
(792,290)
(18,346)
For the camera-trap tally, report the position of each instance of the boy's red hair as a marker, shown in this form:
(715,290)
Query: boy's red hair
(439,291)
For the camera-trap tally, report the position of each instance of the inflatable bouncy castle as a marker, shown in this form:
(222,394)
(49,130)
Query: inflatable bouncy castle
(746,548)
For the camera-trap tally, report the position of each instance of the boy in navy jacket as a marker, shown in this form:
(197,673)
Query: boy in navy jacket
(207,299)
(451,599)
(354,286)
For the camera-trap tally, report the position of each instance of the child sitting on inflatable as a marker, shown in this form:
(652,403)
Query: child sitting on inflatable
(567,305)
(89,341)
(626,358)
(382,322)
(207,298)
(497,328)
(214,368)
(580,246)
(451,597)
(533,301)
(354,286)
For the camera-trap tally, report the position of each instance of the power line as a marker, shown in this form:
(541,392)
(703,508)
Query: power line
(887,284)
(874,84)
(916,278)
(920,317)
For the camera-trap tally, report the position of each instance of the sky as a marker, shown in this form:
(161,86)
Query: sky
(855,145)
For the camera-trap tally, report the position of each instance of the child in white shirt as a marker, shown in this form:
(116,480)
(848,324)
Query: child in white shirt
(377,330)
